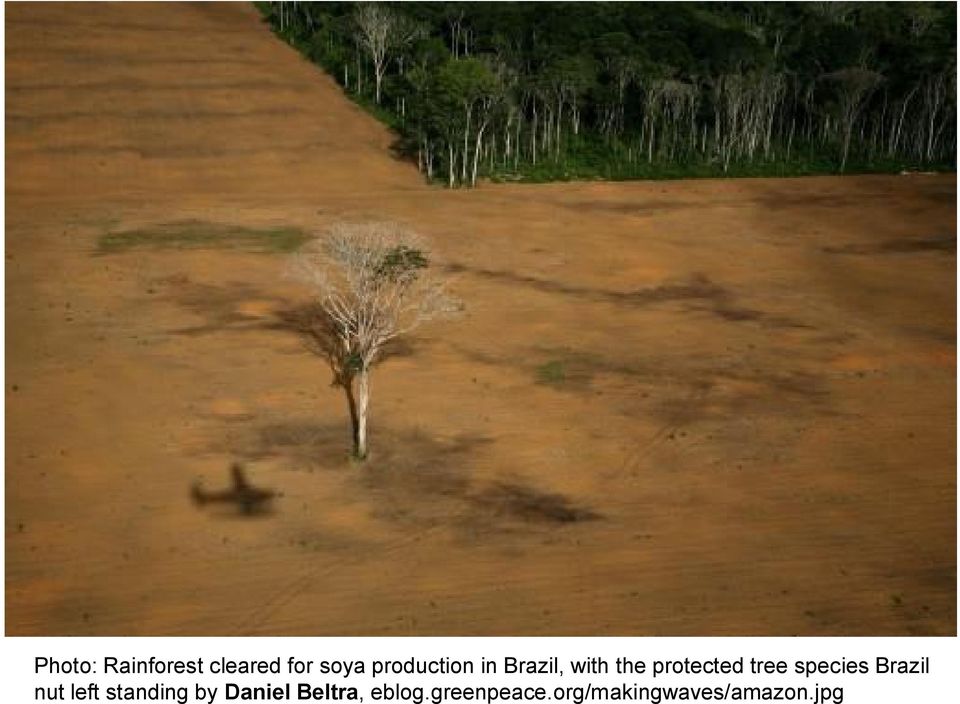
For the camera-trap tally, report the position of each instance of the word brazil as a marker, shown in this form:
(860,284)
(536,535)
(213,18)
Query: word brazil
(514,666)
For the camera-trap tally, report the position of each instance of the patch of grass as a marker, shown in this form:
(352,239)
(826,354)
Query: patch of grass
(576,370)
(552,372)
(196,234)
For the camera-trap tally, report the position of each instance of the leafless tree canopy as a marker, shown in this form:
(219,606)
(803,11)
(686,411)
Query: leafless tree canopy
(381,31)
(854,85)
(372,283)
(372,280)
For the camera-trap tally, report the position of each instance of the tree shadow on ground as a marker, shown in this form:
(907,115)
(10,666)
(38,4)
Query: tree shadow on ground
(424,480)
(220,307)
(410,478)
(679,390)
(697,293)
(523,502)
(698,287)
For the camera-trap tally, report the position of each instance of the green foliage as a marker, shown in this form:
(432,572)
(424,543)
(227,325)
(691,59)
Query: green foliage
(552,91)
(401,262)
(552,372)
(463,81)
(352,363)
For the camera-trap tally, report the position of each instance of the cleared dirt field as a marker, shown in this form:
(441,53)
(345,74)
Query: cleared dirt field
(713,407)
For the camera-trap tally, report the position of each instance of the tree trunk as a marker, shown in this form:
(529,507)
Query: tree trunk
(476,155)
(533,136)
(363,404)
(348,391)
(466,145)
(450,166)
(847,133)
(517,148)
(557,132)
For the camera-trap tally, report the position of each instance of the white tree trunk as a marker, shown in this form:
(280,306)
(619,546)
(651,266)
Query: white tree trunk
(533,136)
(466,146)
(476,155)
(363,404)
(378,71)
(451,166)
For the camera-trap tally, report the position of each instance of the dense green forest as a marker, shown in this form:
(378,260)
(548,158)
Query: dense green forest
(547,91)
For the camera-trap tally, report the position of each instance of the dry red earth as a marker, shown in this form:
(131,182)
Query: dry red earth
(711,407)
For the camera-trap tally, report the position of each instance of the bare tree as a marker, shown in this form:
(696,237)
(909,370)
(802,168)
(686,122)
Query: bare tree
(381,32)
(372,284)
(935,100)
(854,86)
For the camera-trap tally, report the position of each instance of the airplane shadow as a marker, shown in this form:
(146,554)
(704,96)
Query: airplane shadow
(242,497)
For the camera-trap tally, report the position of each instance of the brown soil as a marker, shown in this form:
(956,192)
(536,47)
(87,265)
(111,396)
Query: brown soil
(712,407)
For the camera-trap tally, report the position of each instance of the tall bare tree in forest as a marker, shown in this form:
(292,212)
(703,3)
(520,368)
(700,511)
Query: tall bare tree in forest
(615,52)
(381,31)
(935,97)
(853,85)
(372,285)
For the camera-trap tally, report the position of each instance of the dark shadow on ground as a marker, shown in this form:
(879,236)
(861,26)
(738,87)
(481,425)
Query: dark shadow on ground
(679,390)
(699,287)
(410,477)
(698,293)
(218,306)
(947,244)
(428,481)
(528,504)
(241,498)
